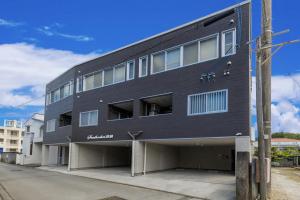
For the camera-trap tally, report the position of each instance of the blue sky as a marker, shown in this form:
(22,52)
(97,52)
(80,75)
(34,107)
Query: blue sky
(54,35)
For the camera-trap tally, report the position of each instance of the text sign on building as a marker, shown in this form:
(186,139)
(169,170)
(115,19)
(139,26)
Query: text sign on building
(97,137)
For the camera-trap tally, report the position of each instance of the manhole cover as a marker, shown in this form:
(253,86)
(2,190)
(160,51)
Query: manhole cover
(113,198)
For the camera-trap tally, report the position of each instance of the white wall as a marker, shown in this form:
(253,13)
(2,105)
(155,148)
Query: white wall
(161,157)
(89,156)
(53,155)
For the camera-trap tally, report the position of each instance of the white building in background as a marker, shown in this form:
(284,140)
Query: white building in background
(32,141)
(11,136)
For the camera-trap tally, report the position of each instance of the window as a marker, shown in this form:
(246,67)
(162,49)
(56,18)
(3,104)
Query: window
(173,58)
(190,53)
(56,95)
(27,129)
(79,85)
(228,42)
(98,78)
(88,82)
(120,72)
(65,119)
(158,63)
(209,49)
(109,76)
(50,126)
(120,110)
(156,105)
(209,102)
(89,118)
(143,66)
(92,81)
(130,70)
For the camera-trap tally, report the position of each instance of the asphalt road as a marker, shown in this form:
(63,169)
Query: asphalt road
(24,183)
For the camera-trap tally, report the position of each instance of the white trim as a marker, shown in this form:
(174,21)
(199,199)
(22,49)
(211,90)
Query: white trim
(140,66)
(233,30)
(206,112)
(128,69)
(165,32)
(88,118)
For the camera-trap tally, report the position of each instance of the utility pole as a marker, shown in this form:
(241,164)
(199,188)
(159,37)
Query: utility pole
(260,126)
(266,78)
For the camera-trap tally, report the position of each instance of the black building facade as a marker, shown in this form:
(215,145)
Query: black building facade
(189,82)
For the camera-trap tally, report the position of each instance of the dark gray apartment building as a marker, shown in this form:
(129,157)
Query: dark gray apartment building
(178,99)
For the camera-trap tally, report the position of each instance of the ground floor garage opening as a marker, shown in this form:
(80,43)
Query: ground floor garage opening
(101,155)
(193,154)
(55,155)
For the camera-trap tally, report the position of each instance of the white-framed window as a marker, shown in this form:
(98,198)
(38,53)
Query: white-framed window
(50,126)
(191,53)
(228,42)
(56,95)
(173,58)
(208,102)
(88,118)
(158,62)
(108,76)
(130,70)
(119,73)
(143,66)
(209,48)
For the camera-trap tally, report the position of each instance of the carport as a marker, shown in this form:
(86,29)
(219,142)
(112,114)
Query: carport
(194,154)
(112,155)
(55,154)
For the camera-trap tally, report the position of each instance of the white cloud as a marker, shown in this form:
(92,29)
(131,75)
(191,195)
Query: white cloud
(25,65)
(9,23)
(50,31)
(285,103)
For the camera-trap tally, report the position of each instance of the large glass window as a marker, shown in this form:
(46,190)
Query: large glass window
(56,95)
(209,102)
(50,126)
(143,66)
(120,73)
(98,79)
(88,82)
(130,70)
(89,118)
(209,49)
(228,43)
(173,58)
(109,76)
(158,62)
(190,53)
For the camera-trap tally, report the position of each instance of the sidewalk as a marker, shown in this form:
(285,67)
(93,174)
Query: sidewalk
(192,183)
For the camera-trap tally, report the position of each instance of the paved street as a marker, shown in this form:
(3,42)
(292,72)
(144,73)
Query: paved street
(23,183)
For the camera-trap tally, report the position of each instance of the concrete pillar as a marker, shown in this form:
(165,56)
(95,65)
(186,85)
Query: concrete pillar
(45,155)
(242,167)
(73,156)
(138,154)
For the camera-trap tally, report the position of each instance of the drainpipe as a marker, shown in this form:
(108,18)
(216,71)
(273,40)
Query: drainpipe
(132,159)
(145,158)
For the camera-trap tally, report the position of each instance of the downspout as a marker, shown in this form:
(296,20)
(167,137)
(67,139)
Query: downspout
(145,159)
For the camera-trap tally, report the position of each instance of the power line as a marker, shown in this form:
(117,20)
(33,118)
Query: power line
(30,101)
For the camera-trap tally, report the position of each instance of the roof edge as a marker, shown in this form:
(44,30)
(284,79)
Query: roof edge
(159,34)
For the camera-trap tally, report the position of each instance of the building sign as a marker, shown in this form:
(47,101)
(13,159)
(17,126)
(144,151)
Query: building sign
(100,137)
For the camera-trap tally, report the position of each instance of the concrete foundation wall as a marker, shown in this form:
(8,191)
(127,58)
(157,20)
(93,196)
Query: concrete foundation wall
(89,156)
(210,157)
(161,157)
